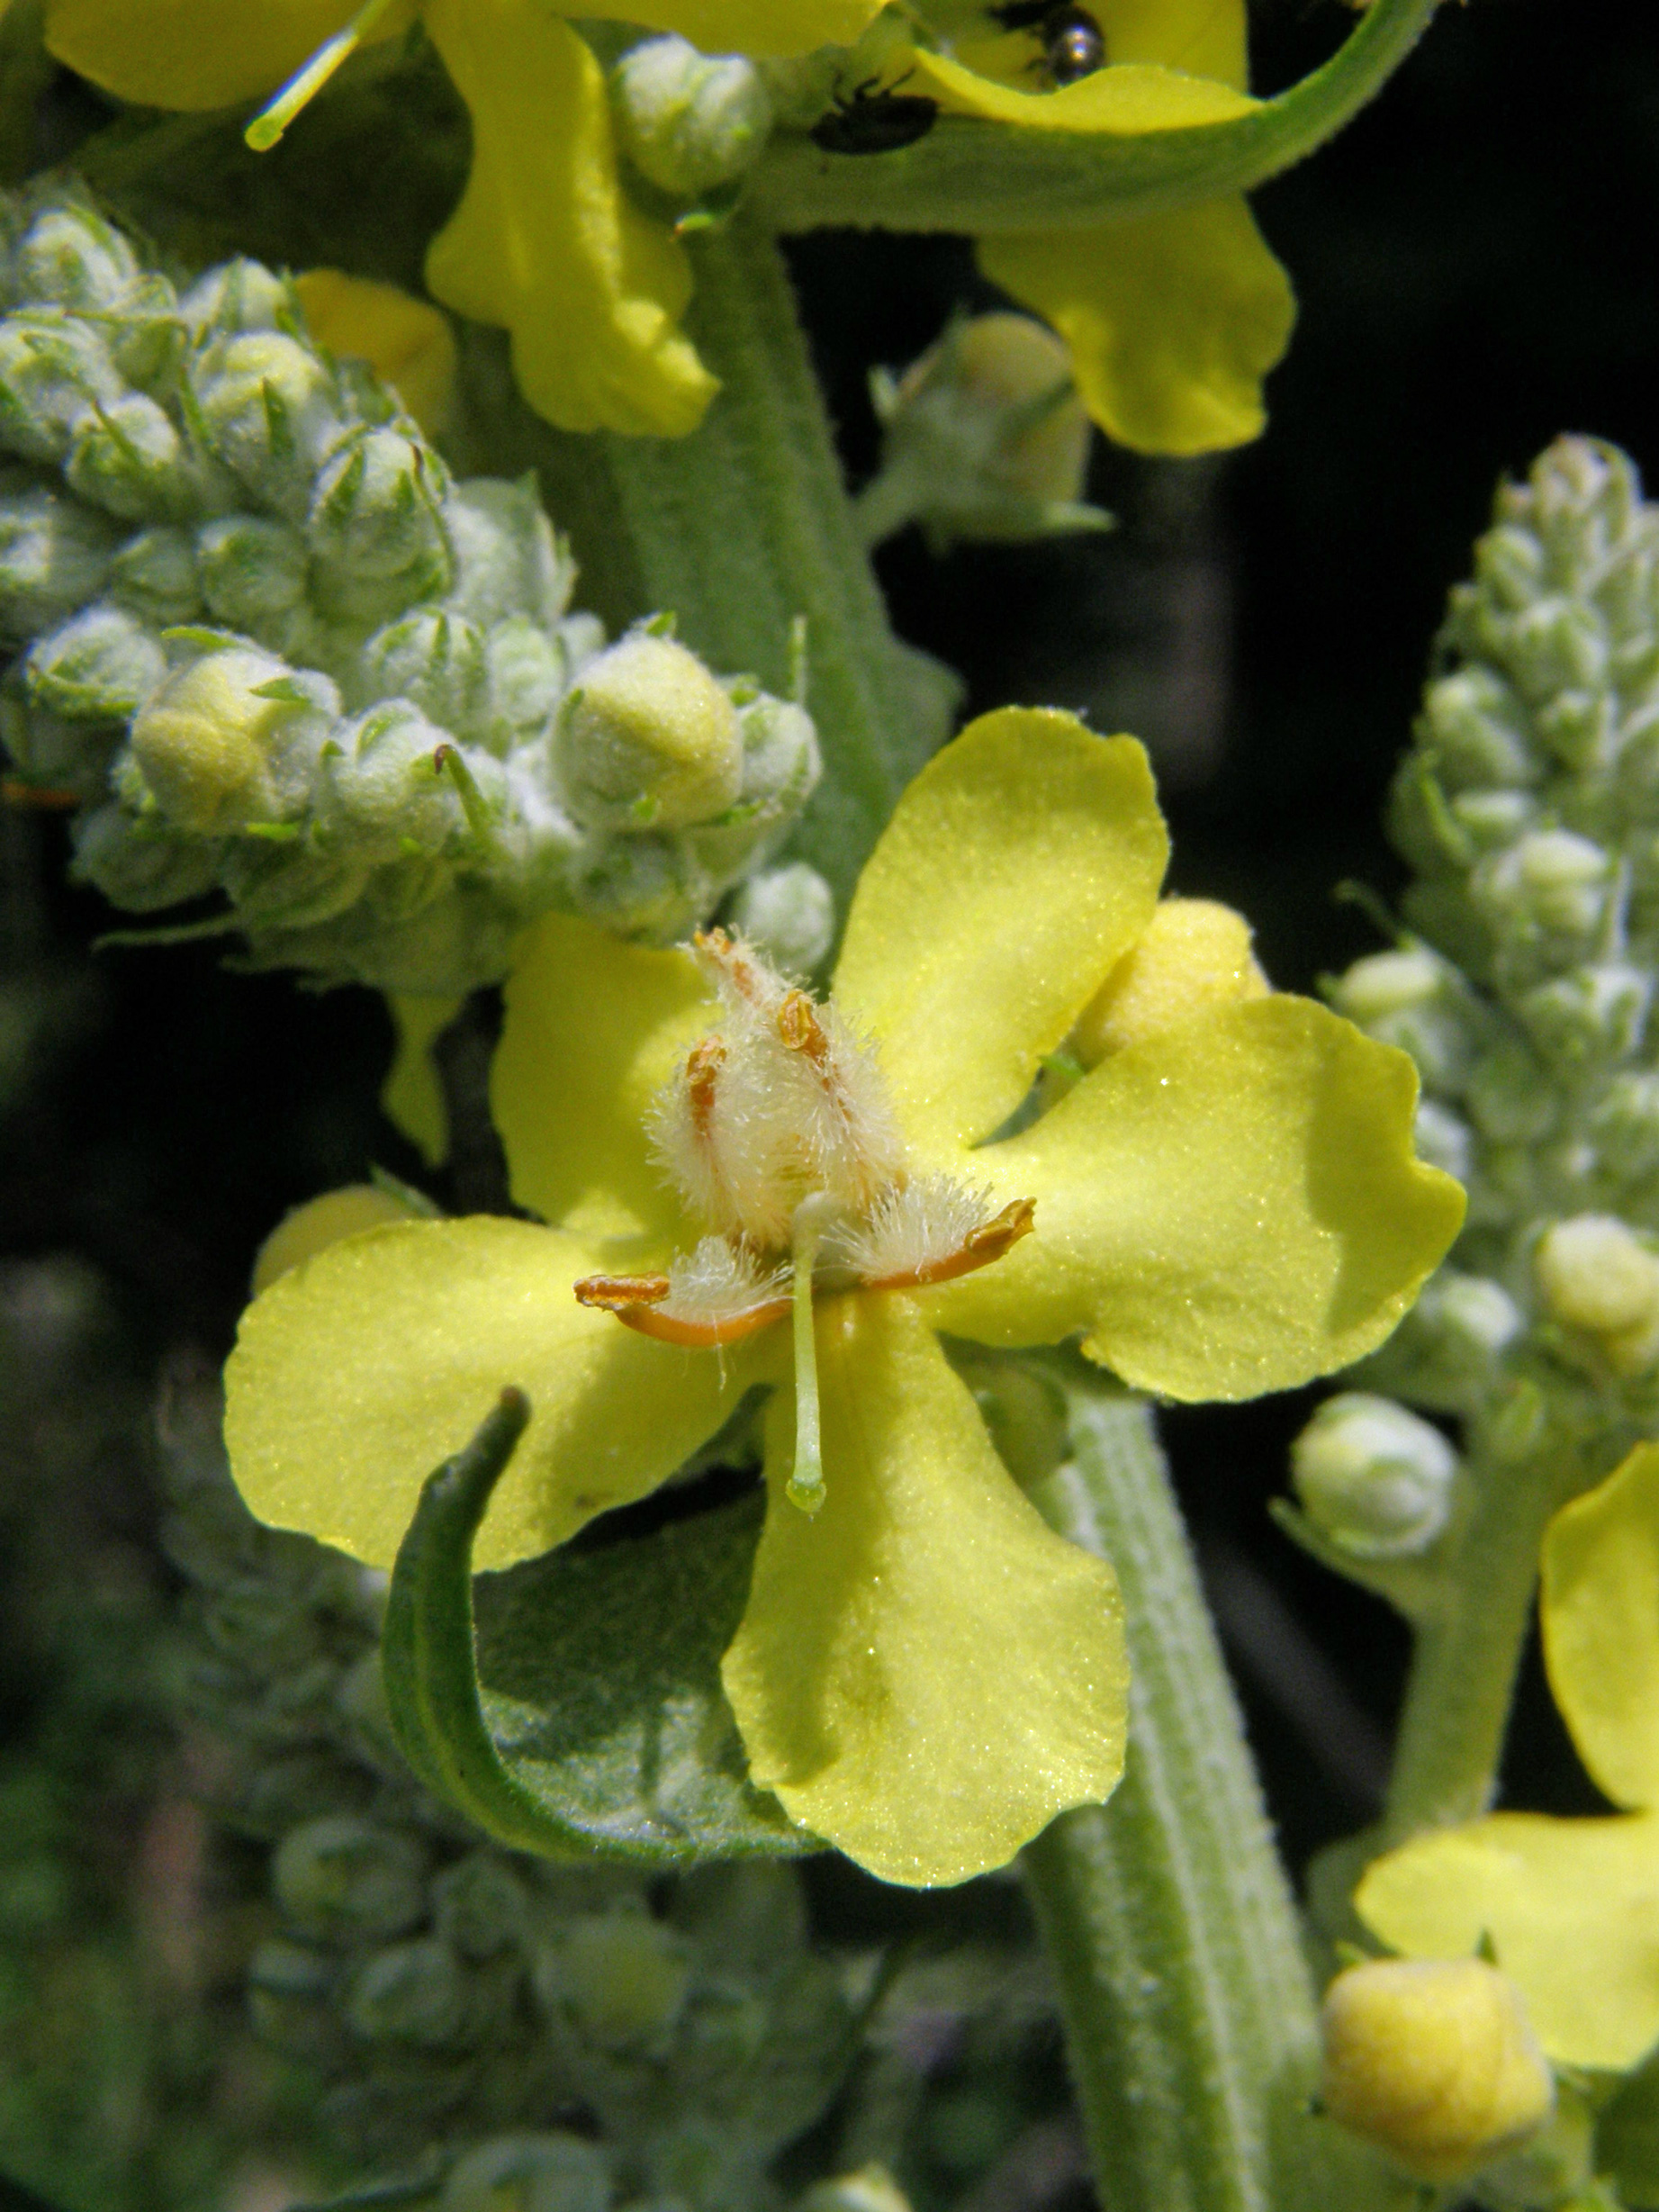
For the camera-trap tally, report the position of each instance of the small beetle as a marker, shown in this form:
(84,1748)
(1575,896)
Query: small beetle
(1073,44)
(873,121)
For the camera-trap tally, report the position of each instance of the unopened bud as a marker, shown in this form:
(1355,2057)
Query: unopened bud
(271,414)
(1552,882)
(129,459)
(1474,727)
(154,576)
(1444,1353)
(649,740)
(1557,644)
(690,122)
(1444,1140)
(311,1228)
(252,571)
(289,1991)
(375,528)
(345,1877)
(407,342)
(1509,561)
(1625,1124)
(235,298)
(1596,1013)
(411,1992)
(53,374)
(1410,999)
(508,561)
(206,742)
(101,666)
(553,2172)
(479,1905)
(54,556)
(392,786)
(1374,1479)
(986,438)
(1192,957)
(1432,2060)
(1594,1275)
(788,914)
(623,1977)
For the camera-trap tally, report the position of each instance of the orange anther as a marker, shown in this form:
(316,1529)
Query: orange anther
(703,1066)
(616,1292)
(741,973)
(801,1030)
(978,1248)
(667,1329)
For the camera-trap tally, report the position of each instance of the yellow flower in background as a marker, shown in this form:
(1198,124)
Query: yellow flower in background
(407,342)
(1227,1202)
(1173,320)
(1569,1907)
(545,241)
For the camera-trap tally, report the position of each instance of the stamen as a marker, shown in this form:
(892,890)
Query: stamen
(268,125)
(801,1030)
(714,1295)
(929,1230)
(616,1293)
(805,1484)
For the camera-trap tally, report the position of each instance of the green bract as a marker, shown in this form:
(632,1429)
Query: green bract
(275,651)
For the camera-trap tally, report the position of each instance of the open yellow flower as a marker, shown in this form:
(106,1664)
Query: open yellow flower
(1571,1908)
(1226,1203)
(1173,320)
(545,241)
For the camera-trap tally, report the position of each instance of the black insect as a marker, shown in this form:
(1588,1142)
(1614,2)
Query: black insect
(1073,44)
(874,122)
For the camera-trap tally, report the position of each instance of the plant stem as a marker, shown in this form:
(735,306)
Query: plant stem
(739,528)
(1189,2009)
(981,177)
(1467,1653)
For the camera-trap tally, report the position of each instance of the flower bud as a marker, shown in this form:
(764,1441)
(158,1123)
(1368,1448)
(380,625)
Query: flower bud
(508,561)
(252,571)
(788,914)
(289,1989)
(1596,1013)
(307,1229)
(1410,999)
(649,740)
(1508,1096)
(1444,1353)
(237,297)
(390,785)
(206,742)
(1372,1477)
(129,459)
(622,1977)
(53,375)
(1595,1275)
(1443,1139)
(1432,2060)
(350,1879)
(479,1905)
(690,122)
(101,666)
(376,530)
(141,873)
(411,1992)
(407,342)
(1491,820)
(154,576)
(1553,883)
(527,674)
(271,414)
(436,661)
(638,886)
(1509,564)
(780,769)
(1557,644)
(1625,1124)
(1193,956)
(1475,728)
(986,438)
(552,2172)
(54,556)
(70,257)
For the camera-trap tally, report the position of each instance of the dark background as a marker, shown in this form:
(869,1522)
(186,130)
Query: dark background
(1475,262)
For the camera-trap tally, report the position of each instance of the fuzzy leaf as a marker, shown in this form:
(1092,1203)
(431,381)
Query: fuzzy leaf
(573,1702)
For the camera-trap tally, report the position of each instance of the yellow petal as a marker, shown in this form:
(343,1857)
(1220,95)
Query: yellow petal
(1571,1909)
(1019,866)
(198,53)
(412,1097)
(407,342)
(311,1228)
(594,1029)
(1599,1605)
(1231,1207)
(1126,100)
(545,242)
(759,27)
(1173,320)
(1200,38)
(1192,956)
(356,1374)
(925,1672)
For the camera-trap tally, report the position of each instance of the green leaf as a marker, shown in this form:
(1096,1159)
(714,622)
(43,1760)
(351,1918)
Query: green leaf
(585,1713)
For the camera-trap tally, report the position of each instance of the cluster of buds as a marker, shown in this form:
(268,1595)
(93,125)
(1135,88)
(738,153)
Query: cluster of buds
(271,650)
(453,1998)
(1528,808)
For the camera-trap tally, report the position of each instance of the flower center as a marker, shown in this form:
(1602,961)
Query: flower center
(778,1132)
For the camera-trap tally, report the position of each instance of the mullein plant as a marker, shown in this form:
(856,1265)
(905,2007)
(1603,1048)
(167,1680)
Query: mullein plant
(916,1229)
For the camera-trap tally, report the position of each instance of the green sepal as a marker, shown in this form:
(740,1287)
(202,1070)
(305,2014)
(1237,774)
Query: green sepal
(572,1704)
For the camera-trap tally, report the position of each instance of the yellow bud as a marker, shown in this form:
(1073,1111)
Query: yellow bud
(407,343)
(1595,1274)
(869,2188)
(1000,366)
(202,741)
(625,1977)
(311,1228)
(1432,2060)
(1193,955)
(649,740)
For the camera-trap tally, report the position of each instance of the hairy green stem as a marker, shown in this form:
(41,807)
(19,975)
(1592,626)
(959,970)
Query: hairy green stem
(1468,1651)
(741,528)
(1189,2011)
(982,178)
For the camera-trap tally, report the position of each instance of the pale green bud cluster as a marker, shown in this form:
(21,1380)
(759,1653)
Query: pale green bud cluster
(691,123)
(1528,806)
(279,655)
(447,1994)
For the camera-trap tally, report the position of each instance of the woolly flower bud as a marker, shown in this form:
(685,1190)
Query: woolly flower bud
(690,122)
(1372,1477)
(1445,1352)
(622,1976)
(1433,2061)
(411,1992)
(375,527)
(1192,956)
(1595,1275)
(986,438)
(1594,1013)
(207,743)
(54,556)
(1410,999)
(53,376)
(551,2173)
(1551,883)
(648,740)
(788,914)
(270,409)
(343,1876)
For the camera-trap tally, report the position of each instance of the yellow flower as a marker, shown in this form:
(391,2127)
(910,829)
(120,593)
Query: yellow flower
(1225,1205)
(1570,1907)
(1173,320)
(545,241)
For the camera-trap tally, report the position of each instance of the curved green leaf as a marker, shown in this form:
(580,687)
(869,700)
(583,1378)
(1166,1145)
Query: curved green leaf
(572,1704)
(983,178)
